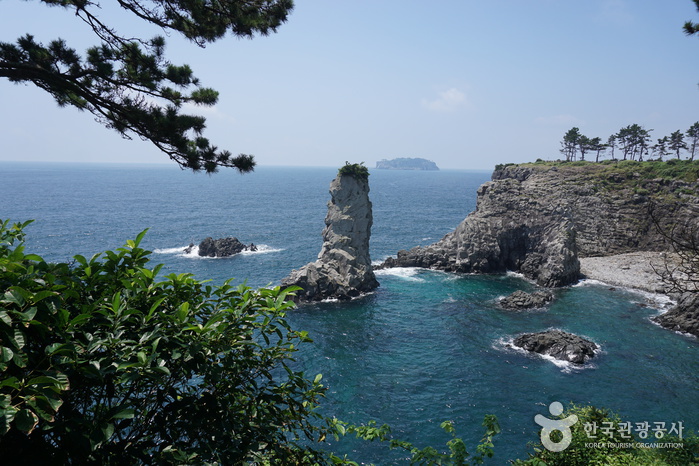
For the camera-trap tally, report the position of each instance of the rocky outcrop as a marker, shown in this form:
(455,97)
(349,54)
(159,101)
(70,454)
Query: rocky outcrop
(558,344)
(520,300)
(538,219)
(222,247)
(343,269)
(684,316)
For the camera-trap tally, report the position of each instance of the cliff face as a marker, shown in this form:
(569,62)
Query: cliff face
(343,269)
(537,220)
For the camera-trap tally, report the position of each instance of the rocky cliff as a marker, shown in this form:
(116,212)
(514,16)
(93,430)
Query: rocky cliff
(343,269)
(538,219)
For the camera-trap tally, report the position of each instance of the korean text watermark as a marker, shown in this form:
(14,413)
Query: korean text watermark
(607,434)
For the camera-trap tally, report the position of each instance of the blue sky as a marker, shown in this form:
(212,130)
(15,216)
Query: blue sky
(465,83)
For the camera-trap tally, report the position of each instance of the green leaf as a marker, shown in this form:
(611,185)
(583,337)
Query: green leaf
(7,415)
(128,413)
(18,339)
(6,354)
(108,431)
(26,420)
(5,317)
(182,312)
(29,314)
(154,307)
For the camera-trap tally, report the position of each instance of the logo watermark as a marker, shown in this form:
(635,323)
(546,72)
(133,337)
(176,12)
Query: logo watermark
(549,426)
(606,434)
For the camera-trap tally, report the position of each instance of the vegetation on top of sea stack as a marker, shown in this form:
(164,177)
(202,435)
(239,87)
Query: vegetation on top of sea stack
(357,170)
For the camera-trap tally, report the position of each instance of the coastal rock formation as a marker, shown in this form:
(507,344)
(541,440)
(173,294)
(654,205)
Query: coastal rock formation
(522,300)
(343,269)
(684,316)
(222,247)
(537,219)
(558,344)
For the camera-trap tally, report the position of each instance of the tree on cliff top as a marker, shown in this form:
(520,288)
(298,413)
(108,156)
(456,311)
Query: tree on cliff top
(129,85)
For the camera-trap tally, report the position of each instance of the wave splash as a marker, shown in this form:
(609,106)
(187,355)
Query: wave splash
(405,273)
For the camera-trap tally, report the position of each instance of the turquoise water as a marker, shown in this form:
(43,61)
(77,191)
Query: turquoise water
(425,347)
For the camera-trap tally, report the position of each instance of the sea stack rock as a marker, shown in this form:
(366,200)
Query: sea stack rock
(343,269)
(558,344)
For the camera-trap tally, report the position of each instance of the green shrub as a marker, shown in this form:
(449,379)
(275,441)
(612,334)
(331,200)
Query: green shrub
(103,362)
(356,170)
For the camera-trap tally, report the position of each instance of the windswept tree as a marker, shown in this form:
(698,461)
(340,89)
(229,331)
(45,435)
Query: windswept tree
(633,140)
(643,142)
(583,146)
(597,146)
(570,143)
(660,148)
(129,85)
(693,137)
(677,143)
(611,143)
(624,140)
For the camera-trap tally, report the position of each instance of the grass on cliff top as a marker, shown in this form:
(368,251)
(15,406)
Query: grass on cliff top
(673,169)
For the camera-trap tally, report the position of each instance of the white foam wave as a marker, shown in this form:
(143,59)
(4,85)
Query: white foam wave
(589,282)
(261,249)
(657,300)
(178,250)
(406,273)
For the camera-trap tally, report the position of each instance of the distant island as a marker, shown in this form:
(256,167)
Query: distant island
(406,164)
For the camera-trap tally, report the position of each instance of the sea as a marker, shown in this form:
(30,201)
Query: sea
(425,347)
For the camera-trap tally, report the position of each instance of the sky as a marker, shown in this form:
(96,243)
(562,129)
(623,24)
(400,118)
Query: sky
(465,83)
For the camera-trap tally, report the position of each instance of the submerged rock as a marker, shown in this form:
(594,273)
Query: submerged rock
(523,300)
(343,269)
(222,247)
(684,316)
(558,344)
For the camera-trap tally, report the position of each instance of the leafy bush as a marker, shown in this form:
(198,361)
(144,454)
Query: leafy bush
(103,362)
(357,170)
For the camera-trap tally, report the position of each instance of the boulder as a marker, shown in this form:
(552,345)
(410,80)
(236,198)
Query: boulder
(343,269)
(558,344)
(684,316)
(222,247)
(522,300)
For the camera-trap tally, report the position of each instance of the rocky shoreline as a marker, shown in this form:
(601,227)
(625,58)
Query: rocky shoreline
(631,270)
